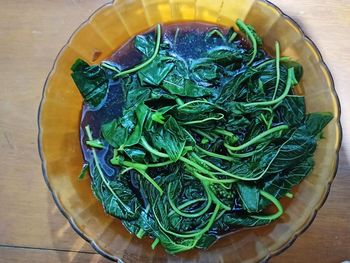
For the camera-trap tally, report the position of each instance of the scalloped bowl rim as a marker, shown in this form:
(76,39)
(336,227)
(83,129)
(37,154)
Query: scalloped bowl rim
(279,250)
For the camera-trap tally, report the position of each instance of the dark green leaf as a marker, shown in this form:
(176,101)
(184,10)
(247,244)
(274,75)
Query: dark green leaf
(317,121)
(292,110)
(144,44)
(117,199)
(280,184)
(114,133)
(156,72)
(250,197)
(135,154)
(141,113)
(229,220)
(298,69)
(225,55)
(91,82)
(165,138)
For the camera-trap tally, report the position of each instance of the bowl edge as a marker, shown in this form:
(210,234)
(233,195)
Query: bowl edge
(276,252)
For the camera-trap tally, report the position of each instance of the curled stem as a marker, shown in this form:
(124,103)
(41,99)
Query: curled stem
(217,32)
(273,200)
(189,215)
(251,37)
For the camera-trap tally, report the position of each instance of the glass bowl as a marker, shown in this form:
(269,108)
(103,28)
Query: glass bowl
(59,118)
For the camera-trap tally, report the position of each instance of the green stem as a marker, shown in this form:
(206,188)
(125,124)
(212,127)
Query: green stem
(267,167)
(83,172)
(183,159)
(223,132)
(264,119)
(204,120)
(88,132)
(265,63)
(158,117)
(95,143)
(213,180)
(189,215)
(232,37)
(150,179)
(155,243)
(179,101)
(154,165)
(217,32)
(211,220)
(270,122)
(176,36)
(186,204)
(216,200)
(194,102)
(126,170)
(275,202)
(215,155)
(245,155)
(214,167)
(141,168)
(247,178)
(149,148)
(195,165)
(204,134)
(136,166)
(196,234)
(278,74)
(106,65)
(221,171)
(256,139)
(191,202)
(141,231)
(267,109)
(147,62)
(289,195)
(251,37)
(290,82)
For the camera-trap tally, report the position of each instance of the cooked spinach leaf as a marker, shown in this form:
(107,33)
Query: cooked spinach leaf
(203,145)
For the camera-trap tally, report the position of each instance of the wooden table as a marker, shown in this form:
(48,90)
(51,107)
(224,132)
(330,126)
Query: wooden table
(31,227)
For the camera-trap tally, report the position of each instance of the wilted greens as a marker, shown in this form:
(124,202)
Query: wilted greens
(203,146)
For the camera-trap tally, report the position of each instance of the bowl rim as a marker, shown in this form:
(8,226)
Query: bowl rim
(276,252)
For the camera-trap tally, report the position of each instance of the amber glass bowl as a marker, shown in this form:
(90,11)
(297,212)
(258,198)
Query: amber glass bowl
(60,111)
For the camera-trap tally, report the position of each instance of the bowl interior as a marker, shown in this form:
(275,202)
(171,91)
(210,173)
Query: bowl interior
(96,39)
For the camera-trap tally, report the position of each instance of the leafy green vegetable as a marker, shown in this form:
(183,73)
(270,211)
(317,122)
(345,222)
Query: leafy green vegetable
(254,39)
(204,143)
(91,81)
(166,138)
(225,55)
(156,72)
(250,197)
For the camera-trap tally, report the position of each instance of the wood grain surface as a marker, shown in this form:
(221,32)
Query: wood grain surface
(31,227)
